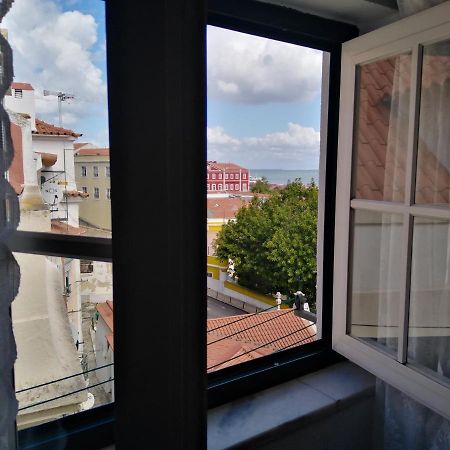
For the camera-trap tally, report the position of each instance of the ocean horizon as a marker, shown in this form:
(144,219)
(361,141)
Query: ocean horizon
(276,176)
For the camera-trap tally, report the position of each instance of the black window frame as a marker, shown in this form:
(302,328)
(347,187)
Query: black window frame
(171,379)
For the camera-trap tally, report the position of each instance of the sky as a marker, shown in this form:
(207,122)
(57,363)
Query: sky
(263,95)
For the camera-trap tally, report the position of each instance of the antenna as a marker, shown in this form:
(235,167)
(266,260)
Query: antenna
(62,97)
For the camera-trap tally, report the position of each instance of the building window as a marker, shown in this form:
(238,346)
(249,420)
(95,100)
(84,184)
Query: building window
(209,187)
(226,176)
(18,93)
(219,187)
(244,176)
(214,176)
(86,266)
(244,187)
(226,187)
(236,187)
(392,242)
(207,176)
(83,171)
(220,176)
(213,187)
(84,189)
(107,172)
(108,193)
(231,176)
(96,193)
(95,170)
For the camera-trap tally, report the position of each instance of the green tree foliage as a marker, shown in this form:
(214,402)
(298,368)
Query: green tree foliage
(273,242)
(261,186)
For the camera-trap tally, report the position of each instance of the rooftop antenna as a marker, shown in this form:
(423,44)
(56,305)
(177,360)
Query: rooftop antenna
(62,97)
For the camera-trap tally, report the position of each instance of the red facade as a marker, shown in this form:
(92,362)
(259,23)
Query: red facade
(226,177)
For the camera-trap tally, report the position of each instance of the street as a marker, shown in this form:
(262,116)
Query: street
(216,308)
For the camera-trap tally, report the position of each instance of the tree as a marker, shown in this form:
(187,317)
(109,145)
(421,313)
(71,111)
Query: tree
(273,242)
(261,186)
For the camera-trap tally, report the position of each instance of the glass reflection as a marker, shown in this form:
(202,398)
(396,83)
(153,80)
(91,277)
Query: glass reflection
(375,278)
(381,128)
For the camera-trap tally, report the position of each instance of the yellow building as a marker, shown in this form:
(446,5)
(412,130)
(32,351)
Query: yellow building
(92,176)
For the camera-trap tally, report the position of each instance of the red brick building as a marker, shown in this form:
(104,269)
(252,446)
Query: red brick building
(226,177)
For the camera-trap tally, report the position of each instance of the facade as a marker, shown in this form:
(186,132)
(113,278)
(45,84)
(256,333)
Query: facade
(92,174)
(226,177)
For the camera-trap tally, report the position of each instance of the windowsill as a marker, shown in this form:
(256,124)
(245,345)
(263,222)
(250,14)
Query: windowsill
(309,398)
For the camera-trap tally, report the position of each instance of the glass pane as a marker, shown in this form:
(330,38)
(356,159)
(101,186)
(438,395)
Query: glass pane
(381,128)
(62,319)
(429,315)
(264,110)
(375,277)
(433,157)
(59,120)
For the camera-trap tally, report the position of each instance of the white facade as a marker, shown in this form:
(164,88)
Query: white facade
(23,103)
(96,286)
(60,177)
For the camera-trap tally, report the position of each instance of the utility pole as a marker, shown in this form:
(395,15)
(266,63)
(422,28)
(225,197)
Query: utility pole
(62,97)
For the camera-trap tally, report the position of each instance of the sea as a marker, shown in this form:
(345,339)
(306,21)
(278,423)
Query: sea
(285,176)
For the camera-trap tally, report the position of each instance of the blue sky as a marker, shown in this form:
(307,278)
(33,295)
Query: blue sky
(263,96)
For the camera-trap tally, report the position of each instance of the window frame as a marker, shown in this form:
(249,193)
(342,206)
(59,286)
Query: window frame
(178,115)
(291,26)
(408,34)
(95,171)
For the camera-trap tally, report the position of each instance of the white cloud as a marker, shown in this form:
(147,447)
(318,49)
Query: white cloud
(295,148)
(249,69)
(217,136)
(54,50)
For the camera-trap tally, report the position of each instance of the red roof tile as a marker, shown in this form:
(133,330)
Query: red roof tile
(214,165)
(224,208)
(106,312)
(64,228)
(49,129)
(76,194)
(23,86)
(92,152)
(271,330)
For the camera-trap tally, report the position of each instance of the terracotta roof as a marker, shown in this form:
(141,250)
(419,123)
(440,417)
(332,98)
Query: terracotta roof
(271,330)
(110,339)
(106,311)
(76,194)
(64,228)
(224,208)
(92,152)
(23,86)
(382,134)
(49,129)
(214,165)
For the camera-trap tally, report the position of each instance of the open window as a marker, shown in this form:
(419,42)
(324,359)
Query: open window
(392,308)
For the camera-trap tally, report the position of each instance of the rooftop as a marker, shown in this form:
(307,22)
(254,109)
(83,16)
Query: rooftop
(236,339)
(45,128)
(23,86)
